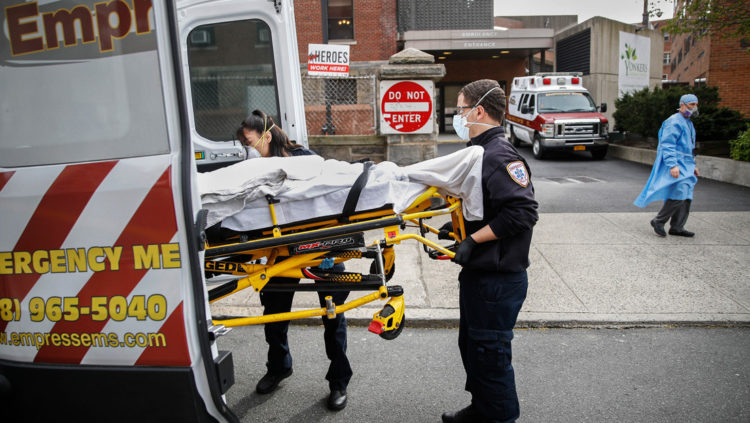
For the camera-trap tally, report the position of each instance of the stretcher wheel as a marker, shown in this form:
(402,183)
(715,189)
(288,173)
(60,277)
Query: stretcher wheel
(388,275)
(393,334)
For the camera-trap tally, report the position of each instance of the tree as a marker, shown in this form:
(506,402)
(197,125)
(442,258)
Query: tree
(718,18)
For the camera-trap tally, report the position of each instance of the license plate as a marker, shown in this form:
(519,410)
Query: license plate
(579,147)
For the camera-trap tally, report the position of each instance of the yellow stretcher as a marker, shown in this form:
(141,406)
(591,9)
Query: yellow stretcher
(297,251)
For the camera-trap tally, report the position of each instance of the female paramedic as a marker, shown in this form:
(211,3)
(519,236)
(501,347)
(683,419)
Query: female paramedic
(494,256)
(263,138)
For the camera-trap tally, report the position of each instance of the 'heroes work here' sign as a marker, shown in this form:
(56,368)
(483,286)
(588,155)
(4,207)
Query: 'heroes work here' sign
(406,107)
(327,59)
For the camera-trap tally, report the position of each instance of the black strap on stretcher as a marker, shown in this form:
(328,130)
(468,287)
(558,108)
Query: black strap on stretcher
(350,205)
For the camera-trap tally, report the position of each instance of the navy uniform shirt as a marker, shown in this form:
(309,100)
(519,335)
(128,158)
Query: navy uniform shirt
(509,206)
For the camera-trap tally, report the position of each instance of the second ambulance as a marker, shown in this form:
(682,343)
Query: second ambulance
(553,111)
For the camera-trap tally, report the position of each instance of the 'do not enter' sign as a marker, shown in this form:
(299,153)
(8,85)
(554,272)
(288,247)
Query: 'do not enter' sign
(406,107)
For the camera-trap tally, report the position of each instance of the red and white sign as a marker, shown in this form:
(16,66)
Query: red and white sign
(406,107)
(327,59)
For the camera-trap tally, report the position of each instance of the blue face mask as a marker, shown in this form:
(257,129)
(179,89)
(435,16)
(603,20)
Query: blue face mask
(461,123)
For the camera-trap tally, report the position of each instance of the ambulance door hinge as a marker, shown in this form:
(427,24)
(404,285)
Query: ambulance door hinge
(277,5)
(217,331)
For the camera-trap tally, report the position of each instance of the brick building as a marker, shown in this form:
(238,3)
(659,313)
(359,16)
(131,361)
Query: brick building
(713,61)
(667,67)
(368,27)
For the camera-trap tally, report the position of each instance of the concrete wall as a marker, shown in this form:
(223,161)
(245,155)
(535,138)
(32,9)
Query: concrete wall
(716,168)
(602,81)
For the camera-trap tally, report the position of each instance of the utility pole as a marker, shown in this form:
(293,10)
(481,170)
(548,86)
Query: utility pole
(645,14)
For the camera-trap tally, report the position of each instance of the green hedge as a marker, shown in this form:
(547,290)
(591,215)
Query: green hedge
(644,111)
(740,148)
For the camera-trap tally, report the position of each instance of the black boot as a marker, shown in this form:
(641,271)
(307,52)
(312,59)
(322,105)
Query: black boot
(466,415)
(337,400)
(270,381)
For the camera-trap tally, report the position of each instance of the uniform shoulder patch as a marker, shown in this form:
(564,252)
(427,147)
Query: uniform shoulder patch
(518,173)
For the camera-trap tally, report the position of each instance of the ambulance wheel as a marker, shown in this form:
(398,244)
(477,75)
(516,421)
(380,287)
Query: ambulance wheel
(390,335)
(599,154)
(388,275)
(537,148)
(513,138)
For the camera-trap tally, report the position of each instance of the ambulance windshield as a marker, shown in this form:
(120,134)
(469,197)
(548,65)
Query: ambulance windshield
(565,102)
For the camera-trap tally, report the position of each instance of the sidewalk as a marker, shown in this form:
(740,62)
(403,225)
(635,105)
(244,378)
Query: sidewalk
(587,269)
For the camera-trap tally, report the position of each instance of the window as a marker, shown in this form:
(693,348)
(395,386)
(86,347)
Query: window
(664,76)
(666,58)
(56,113)
(340,20)
(666,37)
(230,79)
(687,45)
(679,57)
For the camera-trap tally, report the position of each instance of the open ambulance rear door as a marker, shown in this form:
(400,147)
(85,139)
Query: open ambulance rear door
(103,315)
(238,56)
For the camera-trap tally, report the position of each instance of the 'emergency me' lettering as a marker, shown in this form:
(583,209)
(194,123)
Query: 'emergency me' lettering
(69,260)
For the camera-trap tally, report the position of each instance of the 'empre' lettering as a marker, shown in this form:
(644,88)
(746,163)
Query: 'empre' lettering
(28,34)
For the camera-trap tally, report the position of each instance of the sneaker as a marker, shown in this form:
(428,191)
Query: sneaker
(270,381)
(658,228)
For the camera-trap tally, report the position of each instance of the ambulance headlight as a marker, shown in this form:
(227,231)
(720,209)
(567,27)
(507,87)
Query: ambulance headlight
(604,129)
(548,130)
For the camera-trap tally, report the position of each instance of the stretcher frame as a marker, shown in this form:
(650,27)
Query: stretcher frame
(274,245)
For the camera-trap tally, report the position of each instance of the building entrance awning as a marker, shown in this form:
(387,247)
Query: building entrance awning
(481,42)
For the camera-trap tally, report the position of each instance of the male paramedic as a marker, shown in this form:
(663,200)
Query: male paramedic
(674,174)
(494,256)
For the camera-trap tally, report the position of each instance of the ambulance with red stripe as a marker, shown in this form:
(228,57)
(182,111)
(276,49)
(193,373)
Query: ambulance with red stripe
(103,308)
(553,111)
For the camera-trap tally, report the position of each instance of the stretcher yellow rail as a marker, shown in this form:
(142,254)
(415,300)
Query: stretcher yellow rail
(309,250)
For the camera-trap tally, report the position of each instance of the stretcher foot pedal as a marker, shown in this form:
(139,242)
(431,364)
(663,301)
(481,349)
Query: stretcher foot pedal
(389,322)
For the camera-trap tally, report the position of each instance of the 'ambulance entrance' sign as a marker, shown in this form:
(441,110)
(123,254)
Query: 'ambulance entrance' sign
(406,107)
(327,59)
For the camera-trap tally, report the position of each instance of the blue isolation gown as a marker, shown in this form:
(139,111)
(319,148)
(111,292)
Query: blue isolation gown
(676,143)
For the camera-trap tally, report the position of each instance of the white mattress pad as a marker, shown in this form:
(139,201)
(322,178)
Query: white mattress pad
(308,187)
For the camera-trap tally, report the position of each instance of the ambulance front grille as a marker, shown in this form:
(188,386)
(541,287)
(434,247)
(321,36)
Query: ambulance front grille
(576,129)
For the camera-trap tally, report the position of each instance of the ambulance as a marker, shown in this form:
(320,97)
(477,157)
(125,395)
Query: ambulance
(553,111)
(107,110)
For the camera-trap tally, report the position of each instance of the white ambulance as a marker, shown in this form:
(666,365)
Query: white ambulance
(103,308)
(553,111)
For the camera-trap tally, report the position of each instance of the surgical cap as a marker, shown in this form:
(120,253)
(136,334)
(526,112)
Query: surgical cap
(688,98)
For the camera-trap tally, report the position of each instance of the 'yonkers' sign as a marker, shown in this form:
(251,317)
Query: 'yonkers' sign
(634,57)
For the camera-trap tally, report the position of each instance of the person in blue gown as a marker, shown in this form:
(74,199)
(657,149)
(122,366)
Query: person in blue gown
(674,174)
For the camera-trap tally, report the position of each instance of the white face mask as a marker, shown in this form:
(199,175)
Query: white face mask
(461,123)
(251,153)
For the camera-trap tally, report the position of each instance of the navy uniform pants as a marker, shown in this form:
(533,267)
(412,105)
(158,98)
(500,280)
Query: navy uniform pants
(334,335)
(489,305)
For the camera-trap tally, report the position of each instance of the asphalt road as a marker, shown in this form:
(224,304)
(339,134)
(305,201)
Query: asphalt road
(563,375)
(574,183)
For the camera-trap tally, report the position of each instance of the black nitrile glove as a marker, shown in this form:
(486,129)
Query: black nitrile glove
(445,231)
(463,252)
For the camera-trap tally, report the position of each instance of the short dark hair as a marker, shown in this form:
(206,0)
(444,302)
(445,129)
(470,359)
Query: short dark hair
(493,103)
(259,121)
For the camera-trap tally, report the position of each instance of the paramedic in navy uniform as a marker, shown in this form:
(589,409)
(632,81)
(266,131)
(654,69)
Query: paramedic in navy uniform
(262,138)
(494,256)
